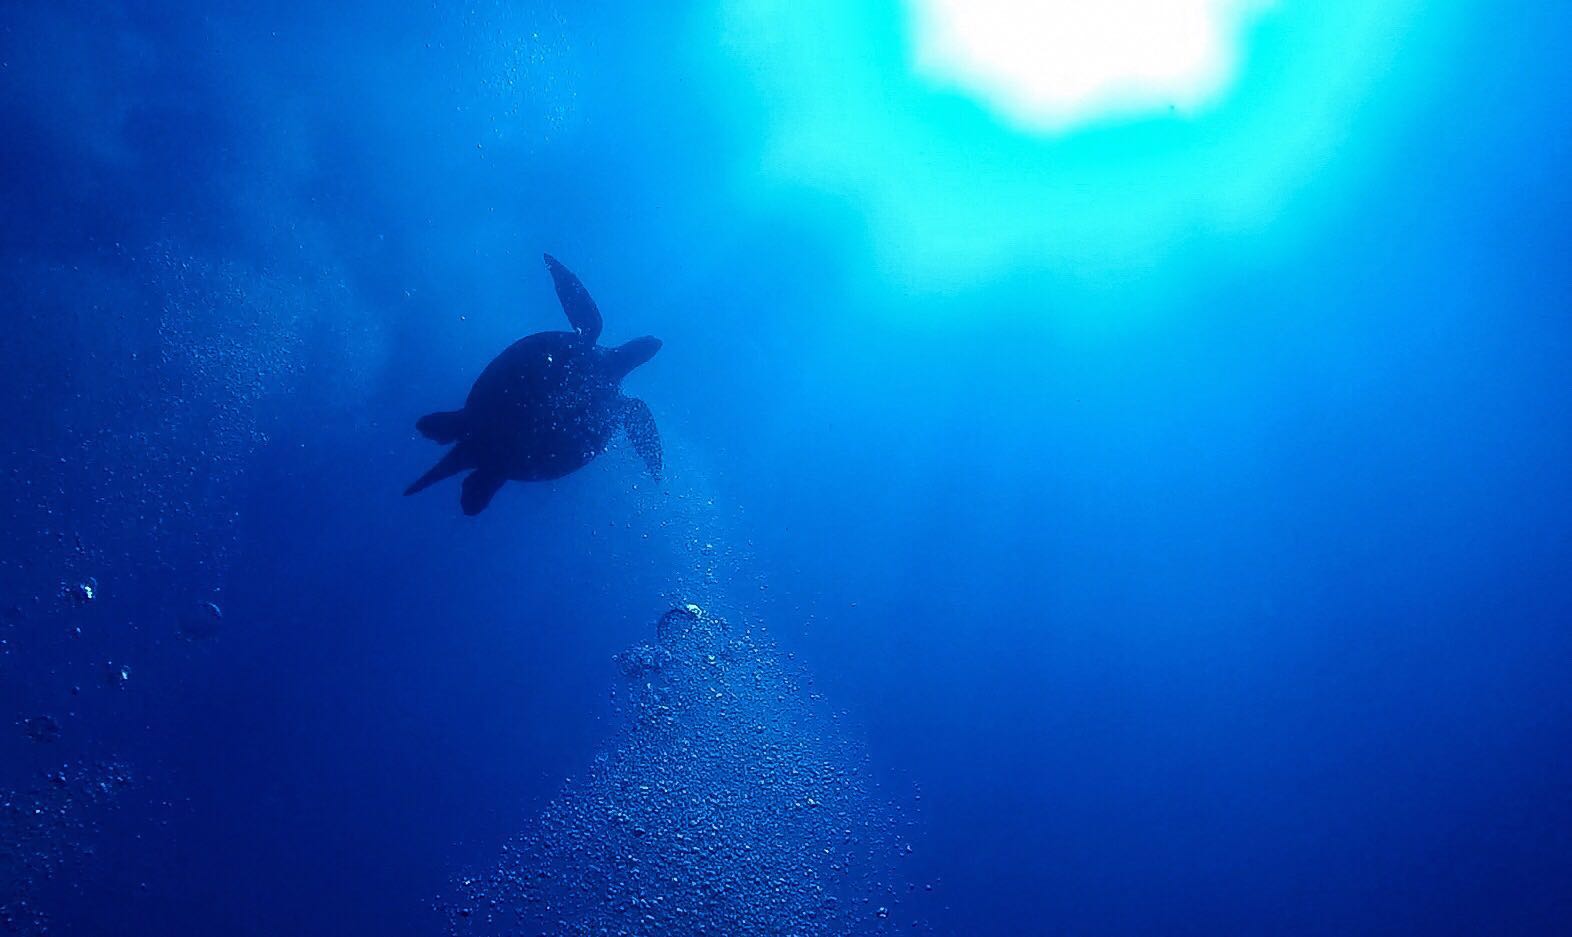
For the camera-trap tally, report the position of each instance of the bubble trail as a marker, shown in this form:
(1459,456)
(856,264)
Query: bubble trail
(730,802)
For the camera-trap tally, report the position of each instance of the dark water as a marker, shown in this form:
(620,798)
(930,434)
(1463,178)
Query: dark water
(1161,527)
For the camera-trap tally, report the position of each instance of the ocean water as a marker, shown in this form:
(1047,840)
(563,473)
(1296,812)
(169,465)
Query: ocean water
(1147,517)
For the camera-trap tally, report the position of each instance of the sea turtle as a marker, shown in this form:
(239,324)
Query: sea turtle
(545,407)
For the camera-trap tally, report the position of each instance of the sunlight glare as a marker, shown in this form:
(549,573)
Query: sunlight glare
(1051,64)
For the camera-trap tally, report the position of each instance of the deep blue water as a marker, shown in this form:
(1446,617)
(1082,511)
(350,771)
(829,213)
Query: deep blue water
(1161,527)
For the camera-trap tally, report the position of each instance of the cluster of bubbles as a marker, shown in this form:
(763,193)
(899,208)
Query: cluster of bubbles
(228,339)
(148,391)
(48,825)
(196,621)
(161,375)
(149,384)
(152,374)
(43,831)
(731,802)
(518,70)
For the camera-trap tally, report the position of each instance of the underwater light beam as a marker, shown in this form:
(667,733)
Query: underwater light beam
(1051,64)
(1105,148)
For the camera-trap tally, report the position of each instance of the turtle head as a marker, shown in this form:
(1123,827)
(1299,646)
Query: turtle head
(629,355)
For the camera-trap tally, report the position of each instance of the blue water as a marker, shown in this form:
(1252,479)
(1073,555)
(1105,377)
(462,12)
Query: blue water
(1159,526)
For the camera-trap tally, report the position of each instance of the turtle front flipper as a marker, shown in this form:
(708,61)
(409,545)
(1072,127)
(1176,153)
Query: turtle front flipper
(576,301)
(639,423)
(479,487)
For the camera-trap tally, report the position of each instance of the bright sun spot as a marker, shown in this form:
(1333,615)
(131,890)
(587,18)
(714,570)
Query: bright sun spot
(1050,64)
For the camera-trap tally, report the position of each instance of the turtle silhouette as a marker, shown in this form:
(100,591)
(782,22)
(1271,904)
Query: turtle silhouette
(545,407)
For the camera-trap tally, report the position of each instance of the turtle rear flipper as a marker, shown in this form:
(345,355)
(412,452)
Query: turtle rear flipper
(444,426)
(456,461)
(479,487)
